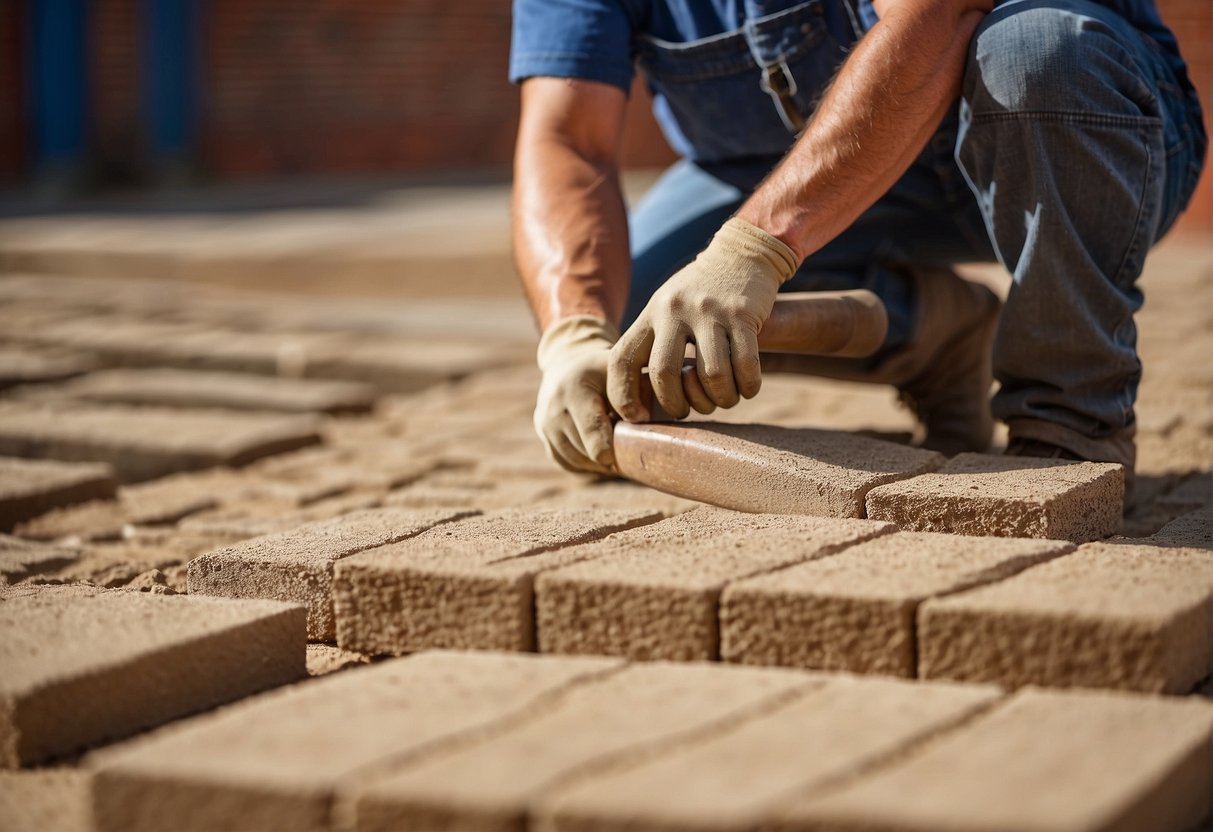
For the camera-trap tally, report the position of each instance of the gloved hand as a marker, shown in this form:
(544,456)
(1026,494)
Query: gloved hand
(571,414)
(718,302)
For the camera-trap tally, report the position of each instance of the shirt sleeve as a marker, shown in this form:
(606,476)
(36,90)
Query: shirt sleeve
(587,39)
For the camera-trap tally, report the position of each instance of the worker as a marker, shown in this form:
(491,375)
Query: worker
(836,144)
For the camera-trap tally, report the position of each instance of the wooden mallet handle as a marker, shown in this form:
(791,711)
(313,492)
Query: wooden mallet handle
(848,324)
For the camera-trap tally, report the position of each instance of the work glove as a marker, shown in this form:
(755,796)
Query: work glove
(571,414)
(718,302)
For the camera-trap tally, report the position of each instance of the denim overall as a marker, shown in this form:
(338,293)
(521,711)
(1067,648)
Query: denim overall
(1076,143)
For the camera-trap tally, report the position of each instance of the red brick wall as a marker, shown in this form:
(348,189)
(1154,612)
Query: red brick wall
(114,88)
(301,86)
(1192,22)
(12,93)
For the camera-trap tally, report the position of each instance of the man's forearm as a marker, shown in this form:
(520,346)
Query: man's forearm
(881,110)
(570,226)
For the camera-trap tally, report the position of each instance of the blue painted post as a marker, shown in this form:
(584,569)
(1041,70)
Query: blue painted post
(170,36)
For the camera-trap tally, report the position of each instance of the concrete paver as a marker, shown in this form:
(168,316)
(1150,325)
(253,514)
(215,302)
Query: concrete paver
(737,778)
(856,610)
(19,366)
(297,565)
(233,391)
(30,487)
(44,800)
(654,593)
(765,468)
(980,494)
(467,585)
(145,443)
(1193,530)
(1116,616)
(1049,761)
(83,665)
(617,495)
(155,503)
(20,558)
(277,761)
(634,714)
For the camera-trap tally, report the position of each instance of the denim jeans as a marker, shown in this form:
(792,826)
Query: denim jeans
(1072,150)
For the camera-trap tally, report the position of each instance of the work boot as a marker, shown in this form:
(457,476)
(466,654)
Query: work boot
(1047,440)
(944,373)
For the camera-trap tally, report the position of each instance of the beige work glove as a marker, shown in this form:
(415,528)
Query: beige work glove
(718,302)
(571,413)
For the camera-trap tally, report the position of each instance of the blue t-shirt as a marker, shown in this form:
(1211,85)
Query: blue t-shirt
(731,79)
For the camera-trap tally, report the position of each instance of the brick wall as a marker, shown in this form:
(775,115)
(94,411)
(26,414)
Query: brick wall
(381,84)
(13,147)
(1192,22)
(114,89)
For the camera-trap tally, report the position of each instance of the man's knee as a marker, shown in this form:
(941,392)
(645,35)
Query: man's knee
(1056,56)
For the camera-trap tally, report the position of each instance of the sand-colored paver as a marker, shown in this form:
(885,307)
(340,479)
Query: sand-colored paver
(30,487)
(1134,617)
(982,494)
(154,503)
(297,565)
(654,593)
(736,778)
(766,468)
(233,391)
(467,585)
(20,558)
(633,714)
(618,495)
(83,665)
(145,443)
(856,610)
(45,800)
(1193,530)
(276,762)
(23,366)
(1046,761)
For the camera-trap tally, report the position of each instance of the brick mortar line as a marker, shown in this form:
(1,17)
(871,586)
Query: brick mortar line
(341,800)
(590,536)
(973,584)
(927,736)
(656,748)
(829,551)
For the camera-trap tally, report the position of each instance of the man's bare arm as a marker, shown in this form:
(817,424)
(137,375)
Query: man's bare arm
(881,110)
(570,221)
(879,113)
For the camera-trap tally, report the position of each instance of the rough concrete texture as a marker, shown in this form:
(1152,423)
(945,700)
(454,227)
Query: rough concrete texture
(276,762)
(297,565)
(144,443)
(232,391)
(856,610)
(21,558)
(765,468)
(83,665)
(1109,616)
(1193,530)
(1046,761)
(45,800)
(632,715)
(466,585)
(981,494)
(29,487)
(468,491)
(736,778)
(654,593)
(258,517)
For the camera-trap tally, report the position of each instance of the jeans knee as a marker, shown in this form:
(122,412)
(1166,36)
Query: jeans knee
(1052,56)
